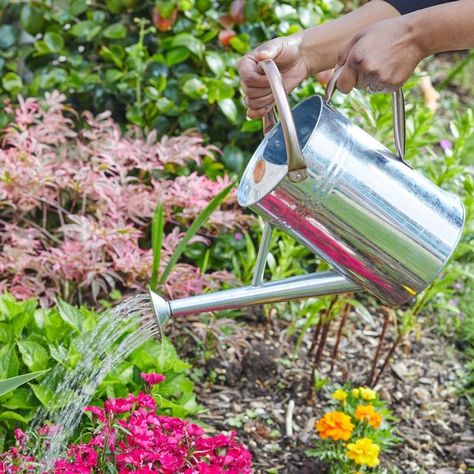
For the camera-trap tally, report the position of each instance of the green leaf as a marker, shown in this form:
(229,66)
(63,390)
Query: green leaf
(116,31)
(219,90)
(19,322)
(55,328)
(14,382)
(77,7)
(6,333)
(9,363)
(12,83)
(176,56)
(8,36)
(193,229)
(252,126)
(215,62)
(229,109)
(194,88)
(43,394)
(85,29)
(188,41)
(157,226)
(70,314)
(10,308)
(19,399)
(54,42)
(31,19)
(34,355)
(13,416)
(114,6)
(239,45)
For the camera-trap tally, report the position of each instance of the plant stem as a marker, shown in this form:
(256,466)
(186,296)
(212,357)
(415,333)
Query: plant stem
(379,345)
(317,332)
(387,359)
(322,343)
(345,314)
(325,321)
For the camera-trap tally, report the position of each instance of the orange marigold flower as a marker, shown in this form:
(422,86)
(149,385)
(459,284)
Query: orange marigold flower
(335,425)
(368,414)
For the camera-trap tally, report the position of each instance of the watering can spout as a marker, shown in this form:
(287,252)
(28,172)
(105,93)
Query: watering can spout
(305,286)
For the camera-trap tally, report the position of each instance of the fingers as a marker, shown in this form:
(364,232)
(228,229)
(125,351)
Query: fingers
(254,82)
(348,75)
(259,113)
(347,79)
(261,102)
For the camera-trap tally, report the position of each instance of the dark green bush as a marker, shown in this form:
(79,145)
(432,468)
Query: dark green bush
(168,65)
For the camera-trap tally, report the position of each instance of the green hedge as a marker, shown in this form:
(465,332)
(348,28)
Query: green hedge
(168,65)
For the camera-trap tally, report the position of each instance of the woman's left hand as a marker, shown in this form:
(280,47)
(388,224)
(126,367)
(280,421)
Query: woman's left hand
(381,57)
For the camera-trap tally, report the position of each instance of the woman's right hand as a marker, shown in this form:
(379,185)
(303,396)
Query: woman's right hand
(287,54)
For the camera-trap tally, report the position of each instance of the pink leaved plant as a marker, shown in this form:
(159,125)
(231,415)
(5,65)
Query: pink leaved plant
(76,199)
(133,438)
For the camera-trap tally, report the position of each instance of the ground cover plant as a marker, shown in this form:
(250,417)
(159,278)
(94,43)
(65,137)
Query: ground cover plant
(35,339)
(131,436)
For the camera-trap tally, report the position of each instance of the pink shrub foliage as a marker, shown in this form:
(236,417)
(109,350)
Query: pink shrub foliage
(76,200)
(131,437)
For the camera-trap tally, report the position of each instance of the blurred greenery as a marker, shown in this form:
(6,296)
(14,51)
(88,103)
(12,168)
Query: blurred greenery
(168,65)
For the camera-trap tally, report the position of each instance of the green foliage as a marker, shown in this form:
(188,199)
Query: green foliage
(14,382)
(214,203)
(157,64)
(33,339)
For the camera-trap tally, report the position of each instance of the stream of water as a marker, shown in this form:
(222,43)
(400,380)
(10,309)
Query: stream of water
(118,332)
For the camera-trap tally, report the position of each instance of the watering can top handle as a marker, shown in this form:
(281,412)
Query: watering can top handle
(296,164)
(297,169)
(398,106)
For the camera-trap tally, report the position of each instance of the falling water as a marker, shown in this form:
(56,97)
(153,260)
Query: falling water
(119,332)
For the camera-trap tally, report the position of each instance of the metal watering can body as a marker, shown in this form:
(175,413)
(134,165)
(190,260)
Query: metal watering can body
(381,225)
(350,200)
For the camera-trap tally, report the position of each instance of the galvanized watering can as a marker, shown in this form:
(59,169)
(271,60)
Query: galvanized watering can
(382,226)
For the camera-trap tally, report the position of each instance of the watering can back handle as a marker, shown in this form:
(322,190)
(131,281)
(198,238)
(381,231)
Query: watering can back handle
(398,107)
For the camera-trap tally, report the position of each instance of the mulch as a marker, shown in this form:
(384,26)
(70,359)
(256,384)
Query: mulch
(250,383)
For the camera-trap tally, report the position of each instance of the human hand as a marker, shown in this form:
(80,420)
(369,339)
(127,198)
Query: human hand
(381,57)
(287,54)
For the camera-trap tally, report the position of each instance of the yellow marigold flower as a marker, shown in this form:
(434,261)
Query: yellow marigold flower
(356,392)
(335,425)
(340,395)
(368,414)
(364,451)
(367,393)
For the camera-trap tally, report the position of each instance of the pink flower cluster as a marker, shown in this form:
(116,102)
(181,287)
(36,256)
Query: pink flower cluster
(76,203)
(142,442)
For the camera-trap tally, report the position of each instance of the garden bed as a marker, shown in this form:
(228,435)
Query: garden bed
(252,395)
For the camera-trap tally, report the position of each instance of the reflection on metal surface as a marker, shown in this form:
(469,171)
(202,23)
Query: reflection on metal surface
(259,171)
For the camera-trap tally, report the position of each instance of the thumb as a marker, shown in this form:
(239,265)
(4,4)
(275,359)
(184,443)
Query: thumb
(269,50)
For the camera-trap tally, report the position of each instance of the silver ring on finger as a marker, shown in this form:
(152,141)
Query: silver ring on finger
(375,88)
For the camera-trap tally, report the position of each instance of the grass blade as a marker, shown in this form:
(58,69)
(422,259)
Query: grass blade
(157,226)
(193,229)
(14,382)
